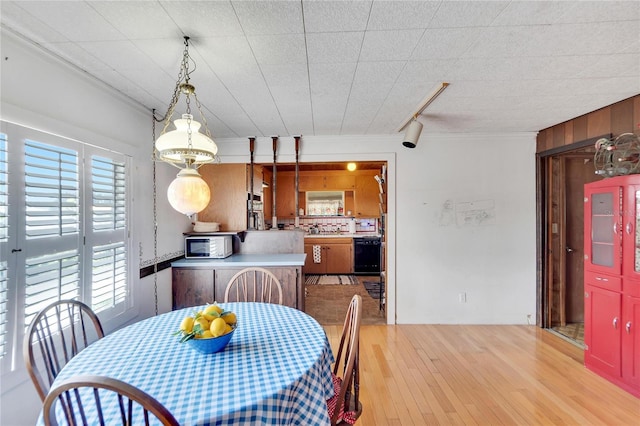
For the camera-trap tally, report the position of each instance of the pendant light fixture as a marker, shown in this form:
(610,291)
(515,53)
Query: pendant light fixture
(185,147)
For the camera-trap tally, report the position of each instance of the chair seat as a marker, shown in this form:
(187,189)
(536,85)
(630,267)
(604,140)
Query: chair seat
(348,417)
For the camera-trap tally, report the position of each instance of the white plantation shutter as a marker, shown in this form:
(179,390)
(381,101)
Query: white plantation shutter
(48,278)
(4,236)
(109,276)
(63,231)
(108,188)
(51,190)
(107,233)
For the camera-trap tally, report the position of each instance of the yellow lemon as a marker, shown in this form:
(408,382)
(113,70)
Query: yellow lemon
(204,324)
(187,324)
(218,327)
(211,312)
(228,329)
(229,318)
(205,335)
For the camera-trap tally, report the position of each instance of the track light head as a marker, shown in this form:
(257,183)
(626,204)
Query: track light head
(412,134)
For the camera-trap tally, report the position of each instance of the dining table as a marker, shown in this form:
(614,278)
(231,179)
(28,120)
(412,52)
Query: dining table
(275,370)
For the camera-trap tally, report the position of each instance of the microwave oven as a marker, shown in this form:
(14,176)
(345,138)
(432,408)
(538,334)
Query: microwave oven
(208,247)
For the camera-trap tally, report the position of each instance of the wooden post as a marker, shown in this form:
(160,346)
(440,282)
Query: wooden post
(297,219)
(250,219)
(274,218)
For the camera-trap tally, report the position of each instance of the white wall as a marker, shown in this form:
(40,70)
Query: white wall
(438,244)
(433,257)
(41,92)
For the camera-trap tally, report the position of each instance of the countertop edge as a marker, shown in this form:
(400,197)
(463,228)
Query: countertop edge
(244,260)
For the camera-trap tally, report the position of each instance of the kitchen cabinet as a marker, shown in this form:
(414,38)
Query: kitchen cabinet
(326,180)
(612,280)
(336,256)
(367,198)
(230,185)
(191,287)
(285,195)
(198,282)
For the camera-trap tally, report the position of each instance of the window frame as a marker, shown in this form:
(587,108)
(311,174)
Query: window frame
(11,364)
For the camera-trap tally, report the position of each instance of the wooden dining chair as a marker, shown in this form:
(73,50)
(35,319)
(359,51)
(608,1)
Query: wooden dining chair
(57,333)
(133,405)
(254,284)
(345,407)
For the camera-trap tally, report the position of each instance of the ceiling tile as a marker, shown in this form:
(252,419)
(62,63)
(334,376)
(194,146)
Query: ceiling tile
(279,49)
(395,45)
(466,14)
(126,19)
(265,17)
(402,15)
(199,19)
(14,16)
(336,16)
(334,47)
(77,21)
(446,42)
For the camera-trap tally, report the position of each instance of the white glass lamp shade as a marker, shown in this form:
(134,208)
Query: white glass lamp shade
(188,193)
(173,146)
(412,134)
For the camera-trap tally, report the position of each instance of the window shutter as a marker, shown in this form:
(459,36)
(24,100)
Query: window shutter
(108,188)
(51,190)
(108,233)
(4,235)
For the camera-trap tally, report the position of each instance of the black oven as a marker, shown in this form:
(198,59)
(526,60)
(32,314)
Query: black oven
(366,255)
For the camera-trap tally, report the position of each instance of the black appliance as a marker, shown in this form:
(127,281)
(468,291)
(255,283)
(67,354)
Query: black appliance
(366,257)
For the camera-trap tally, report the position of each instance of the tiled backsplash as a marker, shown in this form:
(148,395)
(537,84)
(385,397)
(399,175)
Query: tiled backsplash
(332,224)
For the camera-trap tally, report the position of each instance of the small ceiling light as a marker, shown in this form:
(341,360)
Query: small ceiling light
(415,127)
(351,166)
(188,193)
(412,134)
(186,147)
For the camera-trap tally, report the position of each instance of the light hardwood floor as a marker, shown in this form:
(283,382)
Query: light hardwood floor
(480,375)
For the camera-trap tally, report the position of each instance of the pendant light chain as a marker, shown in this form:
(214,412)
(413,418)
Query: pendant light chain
(155,214)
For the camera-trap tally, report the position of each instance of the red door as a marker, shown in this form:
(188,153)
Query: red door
(631,341)
(602,329)
(603,228)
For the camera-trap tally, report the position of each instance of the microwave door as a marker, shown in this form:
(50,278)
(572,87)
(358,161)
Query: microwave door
(198,248)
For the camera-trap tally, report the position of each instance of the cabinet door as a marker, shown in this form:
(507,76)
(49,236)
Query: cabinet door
(631,341)
(366,201)
(603,229)
(602,330)
(285,195)
(339,258)
(310,267)
(339,182)
(631,230)
(191,287)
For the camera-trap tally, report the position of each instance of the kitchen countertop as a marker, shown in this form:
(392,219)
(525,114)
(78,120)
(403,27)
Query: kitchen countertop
(356,235)
(244,260)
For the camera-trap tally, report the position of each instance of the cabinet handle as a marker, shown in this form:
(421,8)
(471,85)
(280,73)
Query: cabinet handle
(602,279)
(628,228)
(615,323)
(628,327)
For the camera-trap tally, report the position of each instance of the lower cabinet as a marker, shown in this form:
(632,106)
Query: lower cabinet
(199,286)
(612,329)
(336,256)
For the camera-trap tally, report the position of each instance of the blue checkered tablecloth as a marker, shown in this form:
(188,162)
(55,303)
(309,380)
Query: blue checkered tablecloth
(276,370)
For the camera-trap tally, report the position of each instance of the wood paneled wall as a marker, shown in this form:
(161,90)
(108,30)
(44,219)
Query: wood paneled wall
(621,117)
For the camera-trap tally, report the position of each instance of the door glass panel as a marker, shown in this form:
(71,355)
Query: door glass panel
(602,223)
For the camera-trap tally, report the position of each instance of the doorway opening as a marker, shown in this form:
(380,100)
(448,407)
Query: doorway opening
(562,175)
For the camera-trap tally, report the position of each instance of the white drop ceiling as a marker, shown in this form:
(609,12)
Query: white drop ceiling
(352,67)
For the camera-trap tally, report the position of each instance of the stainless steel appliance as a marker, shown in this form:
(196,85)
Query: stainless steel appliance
(366,257)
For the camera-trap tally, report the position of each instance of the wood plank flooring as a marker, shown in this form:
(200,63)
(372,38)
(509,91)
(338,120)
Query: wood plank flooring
(481,375)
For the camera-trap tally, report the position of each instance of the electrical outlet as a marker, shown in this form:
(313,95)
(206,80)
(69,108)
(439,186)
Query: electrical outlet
(462,297)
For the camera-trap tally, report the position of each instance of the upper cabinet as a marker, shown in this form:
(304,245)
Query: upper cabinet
(329,180)
(367,196)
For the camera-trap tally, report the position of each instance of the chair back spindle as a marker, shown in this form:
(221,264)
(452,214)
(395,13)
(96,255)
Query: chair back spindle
(58,333)
(254,284)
